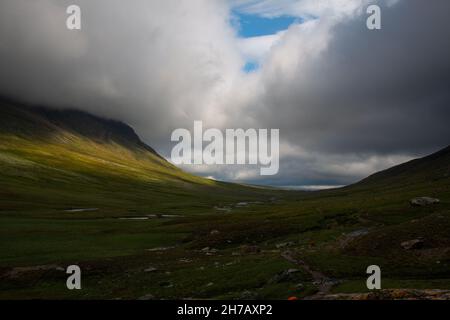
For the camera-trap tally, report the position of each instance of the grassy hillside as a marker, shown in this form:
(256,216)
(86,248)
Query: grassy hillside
(56,160)
(155,232)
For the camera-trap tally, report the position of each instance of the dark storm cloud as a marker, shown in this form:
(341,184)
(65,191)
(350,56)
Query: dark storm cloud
(152,64)
(348,101)
(375,92)
(377,96)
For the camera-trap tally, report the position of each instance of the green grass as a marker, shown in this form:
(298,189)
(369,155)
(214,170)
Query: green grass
(49,241)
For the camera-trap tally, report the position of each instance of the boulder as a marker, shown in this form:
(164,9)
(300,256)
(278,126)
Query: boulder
(423,201)
(209,251)
(151,269)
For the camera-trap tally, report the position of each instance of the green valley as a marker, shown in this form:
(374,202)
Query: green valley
(79,189)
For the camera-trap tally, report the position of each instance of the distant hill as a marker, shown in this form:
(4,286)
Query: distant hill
(433,168)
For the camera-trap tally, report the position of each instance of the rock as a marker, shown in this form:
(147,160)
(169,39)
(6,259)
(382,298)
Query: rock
(284,276)
(423,201)
(209,251)
(346,239)
(358,233)
(248,295)
(160,249)
(151,269)
(299,286)
(412,244)
(285,244)
(292,271)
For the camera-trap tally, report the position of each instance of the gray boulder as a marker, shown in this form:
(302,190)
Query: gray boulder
(423,201)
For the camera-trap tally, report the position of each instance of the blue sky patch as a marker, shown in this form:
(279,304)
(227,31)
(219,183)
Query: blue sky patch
(250,25)
(250,66)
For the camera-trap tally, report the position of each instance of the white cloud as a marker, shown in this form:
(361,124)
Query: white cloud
(300,8)
(257,48)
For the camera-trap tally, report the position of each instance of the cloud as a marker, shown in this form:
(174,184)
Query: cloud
(154,64)
(355,100)
(334,9)
(348,101)
(256,49)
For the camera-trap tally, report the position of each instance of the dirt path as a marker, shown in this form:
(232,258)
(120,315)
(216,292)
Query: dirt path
(323,283)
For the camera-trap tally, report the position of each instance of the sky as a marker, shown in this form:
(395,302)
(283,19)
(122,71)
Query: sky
(348,101)
(252,25)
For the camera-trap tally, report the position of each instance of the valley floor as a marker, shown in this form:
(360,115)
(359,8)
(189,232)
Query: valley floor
(313,246)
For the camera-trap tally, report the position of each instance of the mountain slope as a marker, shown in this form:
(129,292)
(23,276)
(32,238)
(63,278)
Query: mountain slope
(43,123)
(432,168)
(67,158)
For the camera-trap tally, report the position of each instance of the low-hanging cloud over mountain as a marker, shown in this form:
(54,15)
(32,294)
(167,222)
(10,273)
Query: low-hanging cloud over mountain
(348,101)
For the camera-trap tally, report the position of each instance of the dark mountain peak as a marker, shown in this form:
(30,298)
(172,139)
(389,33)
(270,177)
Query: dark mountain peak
(23,120)
(93,127)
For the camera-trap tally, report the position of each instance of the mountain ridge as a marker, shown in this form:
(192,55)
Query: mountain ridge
(83,160)
(428,168)
(72,120)
(43,123)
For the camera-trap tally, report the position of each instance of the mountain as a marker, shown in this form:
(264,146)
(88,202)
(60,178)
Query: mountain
(432,168)
(69,158)
(42,122)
